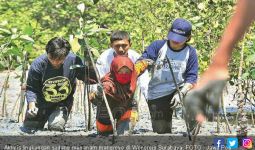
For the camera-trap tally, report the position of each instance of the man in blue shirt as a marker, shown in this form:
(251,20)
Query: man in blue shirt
(162,95)
(51,85)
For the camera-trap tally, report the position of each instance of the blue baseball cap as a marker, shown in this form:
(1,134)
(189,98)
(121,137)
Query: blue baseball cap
(180,30)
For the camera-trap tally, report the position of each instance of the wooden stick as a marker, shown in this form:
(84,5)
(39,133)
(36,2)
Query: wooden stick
(196,133)
(218,122)
(224,112)
(4,107)
(104,95)
(252,117)
(15,106)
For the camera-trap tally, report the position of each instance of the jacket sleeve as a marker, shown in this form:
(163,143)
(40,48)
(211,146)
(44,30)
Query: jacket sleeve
(191,72)
(151,53)
(152,50)
(34,86)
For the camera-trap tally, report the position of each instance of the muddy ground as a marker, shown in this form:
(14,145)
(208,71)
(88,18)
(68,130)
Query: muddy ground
(76,124)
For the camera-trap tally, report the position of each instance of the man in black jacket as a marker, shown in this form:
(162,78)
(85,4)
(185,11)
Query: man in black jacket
(51,86)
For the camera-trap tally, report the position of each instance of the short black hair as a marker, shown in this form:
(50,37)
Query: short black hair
(119,35)
(58,47)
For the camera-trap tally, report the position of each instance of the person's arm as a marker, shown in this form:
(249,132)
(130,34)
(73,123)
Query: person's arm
(241,20)
(149,55)
(191,72)
(144,78)
(212,82)
(243,16)
(152,50)
(33,87)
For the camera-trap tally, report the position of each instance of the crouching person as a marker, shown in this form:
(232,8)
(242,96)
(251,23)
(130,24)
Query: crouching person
(51,85)
(119,86)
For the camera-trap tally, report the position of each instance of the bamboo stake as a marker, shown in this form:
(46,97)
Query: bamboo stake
(15,106)
(81,98)
(104,95)
(2,88)
(79,104)
(85,104)
(218,122)
(196,133)
(22,107)
(224,112)
(1,95)
(252,117)
(89,108)
(4,107)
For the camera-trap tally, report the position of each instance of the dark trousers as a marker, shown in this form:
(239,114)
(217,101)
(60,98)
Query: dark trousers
(50,115)
(161,114)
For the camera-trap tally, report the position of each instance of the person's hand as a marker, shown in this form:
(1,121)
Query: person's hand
(176,100)
(200,118)
(150,62)
(92,96)
(196,100)
(23,87)
(142,65)
(100,89)
(134,117)
(32,110)
(108,87)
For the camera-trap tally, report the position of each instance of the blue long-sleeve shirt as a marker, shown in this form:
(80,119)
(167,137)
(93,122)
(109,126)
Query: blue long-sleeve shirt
(184,63)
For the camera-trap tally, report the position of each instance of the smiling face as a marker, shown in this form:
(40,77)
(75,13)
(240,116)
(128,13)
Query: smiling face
(121,46)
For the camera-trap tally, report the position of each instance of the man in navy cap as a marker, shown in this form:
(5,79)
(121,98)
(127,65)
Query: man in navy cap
(162,92)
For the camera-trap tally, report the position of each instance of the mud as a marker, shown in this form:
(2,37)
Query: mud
(76,122)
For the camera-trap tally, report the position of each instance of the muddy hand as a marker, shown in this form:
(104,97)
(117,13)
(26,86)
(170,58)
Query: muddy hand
(196,100)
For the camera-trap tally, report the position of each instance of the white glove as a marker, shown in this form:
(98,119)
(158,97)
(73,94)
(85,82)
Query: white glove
(32,110)
(176,100)
(31,113)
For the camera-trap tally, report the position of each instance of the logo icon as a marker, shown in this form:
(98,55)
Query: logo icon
(232,143)
(218,142)
(247,143)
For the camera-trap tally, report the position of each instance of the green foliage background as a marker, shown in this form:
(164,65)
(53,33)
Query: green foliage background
(27,25)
